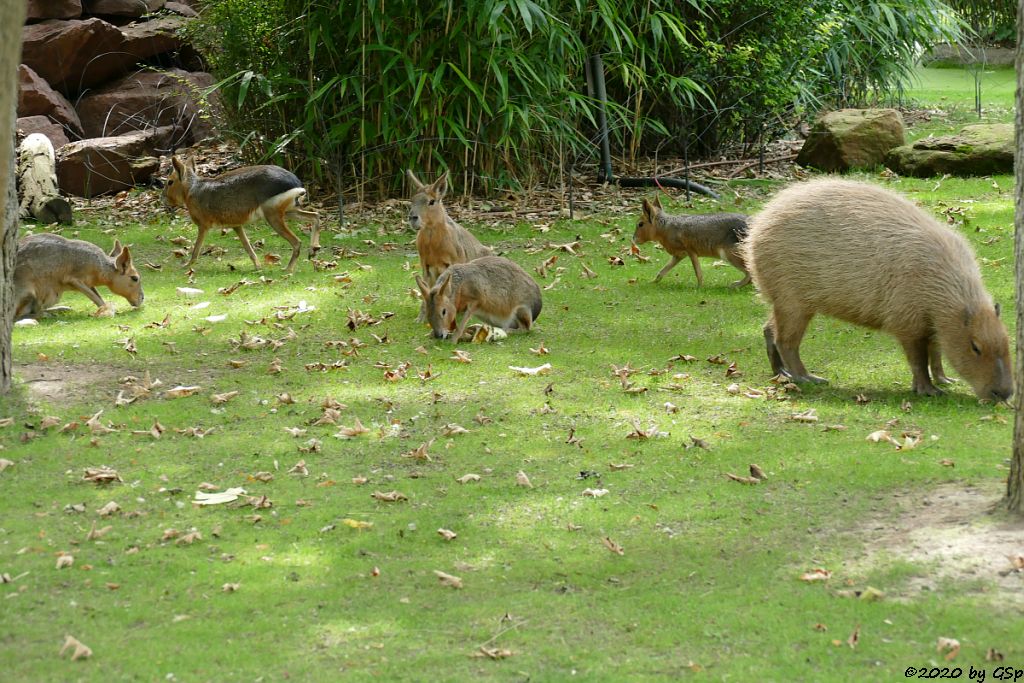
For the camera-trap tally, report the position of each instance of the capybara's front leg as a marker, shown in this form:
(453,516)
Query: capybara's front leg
(789,332)
(917,351)
(935,363)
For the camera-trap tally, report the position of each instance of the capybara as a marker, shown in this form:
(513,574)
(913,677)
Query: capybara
(715,235)
(866,255)
(440,241)
(238,197)
(493,288)
(47,265)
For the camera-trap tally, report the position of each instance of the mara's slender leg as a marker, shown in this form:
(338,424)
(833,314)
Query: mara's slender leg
(664,271)
(198,245)
(314,233)
(244,239)
(90,292)
(696,269)
(461,329)
(276,220)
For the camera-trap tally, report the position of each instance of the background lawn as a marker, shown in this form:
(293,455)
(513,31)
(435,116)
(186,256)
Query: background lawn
(707,583)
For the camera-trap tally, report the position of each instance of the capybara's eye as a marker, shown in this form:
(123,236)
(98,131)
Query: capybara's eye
(974,347)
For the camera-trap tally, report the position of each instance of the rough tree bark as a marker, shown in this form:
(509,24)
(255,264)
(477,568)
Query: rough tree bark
(1015,482)
(37,182)
(13,13)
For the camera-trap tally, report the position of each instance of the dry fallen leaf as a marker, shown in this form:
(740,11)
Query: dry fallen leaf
(110,508)
(613,546)
(523,480)
(95,533)
(78,649)
(181,391)
(5,463)
(951,646)
(743,480)
(451,429)
(390,496)
(466,478)
(854,637)
(816,574)
(65,559)
(353,431)
(230,587)
(356,523)
(419,453)
(807,416)
(218,399)
(540,350)
(460,356)
(300,469)
(594,493)
(757,473)
(448,579)
(101,475)
(447,534)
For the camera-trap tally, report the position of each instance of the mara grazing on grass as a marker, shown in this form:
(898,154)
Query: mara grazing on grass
(48,265)
(492,288)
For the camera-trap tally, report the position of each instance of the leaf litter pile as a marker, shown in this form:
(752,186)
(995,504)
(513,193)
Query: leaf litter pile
(303,440)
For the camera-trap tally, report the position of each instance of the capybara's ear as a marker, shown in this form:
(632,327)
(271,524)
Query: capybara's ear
(116,249)
(123,261)
(657,202)
(440,186)
(414,180)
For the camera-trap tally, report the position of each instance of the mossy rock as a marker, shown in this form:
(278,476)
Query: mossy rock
(852,138)
(979,149)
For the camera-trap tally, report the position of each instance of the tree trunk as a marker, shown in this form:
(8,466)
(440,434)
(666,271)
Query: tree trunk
(1015,483)
(37,182)
(13,13)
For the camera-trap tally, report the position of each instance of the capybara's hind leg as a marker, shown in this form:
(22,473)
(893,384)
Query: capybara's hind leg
(773,352)
(935,363)
(917,350)
(789,332)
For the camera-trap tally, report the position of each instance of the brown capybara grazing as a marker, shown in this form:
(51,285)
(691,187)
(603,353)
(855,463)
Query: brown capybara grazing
(866,255)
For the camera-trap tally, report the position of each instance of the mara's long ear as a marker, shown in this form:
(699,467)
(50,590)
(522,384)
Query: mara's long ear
(116,249)
(657,203)
(440,186)
(179,166)
(424,290)
(417,185)
(648,211)
(443,284)
(123,261)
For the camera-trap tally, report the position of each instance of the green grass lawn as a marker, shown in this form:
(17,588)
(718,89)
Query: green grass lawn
(707,582)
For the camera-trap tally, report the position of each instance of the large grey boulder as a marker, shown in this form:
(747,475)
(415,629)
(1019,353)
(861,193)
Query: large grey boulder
(979,149)
(852,138)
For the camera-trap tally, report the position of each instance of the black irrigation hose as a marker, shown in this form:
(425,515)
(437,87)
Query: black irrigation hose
(605,174)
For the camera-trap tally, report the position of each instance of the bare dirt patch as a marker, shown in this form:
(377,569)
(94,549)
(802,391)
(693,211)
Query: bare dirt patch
(955,533)
(60,383)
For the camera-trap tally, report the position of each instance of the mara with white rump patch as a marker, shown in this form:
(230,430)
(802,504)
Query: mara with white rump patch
(238,197)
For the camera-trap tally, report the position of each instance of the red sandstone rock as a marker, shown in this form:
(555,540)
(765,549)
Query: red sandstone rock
(74,55)
(27,125)
(37,98)
(103,165)
(123,8)
(53,9)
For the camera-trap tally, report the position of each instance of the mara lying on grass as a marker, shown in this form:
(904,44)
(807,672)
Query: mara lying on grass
(492,288)
(716,235)
(866,255)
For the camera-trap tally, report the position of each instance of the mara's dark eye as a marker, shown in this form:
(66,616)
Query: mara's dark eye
(974,347)
(444,312)
(432,202)
(135,278)
(640,224)
(170,181)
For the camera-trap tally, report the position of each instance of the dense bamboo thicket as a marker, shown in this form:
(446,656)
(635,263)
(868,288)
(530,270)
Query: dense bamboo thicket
(495,90)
